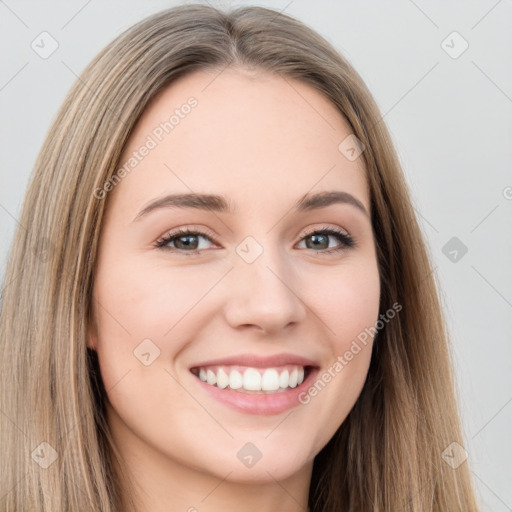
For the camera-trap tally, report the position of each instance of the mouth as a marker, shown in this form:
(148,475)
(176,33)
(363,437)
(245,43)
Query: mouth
(252,379)
(254,384)
(255,390)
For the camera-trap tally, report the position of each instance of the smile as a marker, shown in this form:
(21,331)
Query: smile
(248,394)
(253,380)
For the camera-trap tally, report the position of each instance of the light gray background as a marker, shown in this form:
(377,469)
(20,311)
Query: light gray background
(450,119)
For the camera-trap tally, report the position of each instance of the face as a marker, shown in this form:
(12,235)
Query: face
(255,286)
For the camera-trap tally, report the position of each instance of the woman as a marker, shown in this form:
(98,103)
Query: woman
(220,297)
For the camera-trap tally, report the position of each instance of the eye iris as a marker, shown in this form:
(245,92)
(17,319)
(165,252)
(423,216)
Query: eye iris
(187,244)
(317,241)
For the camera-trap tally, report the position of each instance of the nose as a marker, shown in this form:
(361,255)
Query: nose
(264,295)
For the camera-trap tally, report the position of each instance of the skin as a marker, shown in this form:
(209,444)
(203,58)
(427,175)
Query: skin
(262,144)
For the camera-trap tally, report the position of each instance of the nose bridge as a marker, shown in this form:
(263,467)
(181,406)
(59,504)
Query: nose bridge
(262,291)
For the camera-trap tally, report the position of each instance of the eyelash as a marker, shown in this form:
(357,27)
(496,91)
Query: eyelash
(346,240)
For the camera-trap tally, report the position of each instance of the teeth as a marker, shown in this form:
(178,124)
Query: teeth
(283,379)
(222,379)
(211,378)
(292,381)
(236,380)
(270,380)
(253,379)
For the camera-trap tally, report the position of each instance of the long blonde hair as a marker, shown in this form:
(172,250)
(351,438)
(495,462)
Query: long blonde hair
(386,456)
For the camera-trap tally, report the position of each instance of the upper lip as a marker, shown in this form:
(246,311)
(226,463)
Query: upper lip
(255,361)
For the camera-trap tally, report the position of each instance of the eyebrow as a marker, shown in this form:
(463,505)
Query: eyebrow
(218,203)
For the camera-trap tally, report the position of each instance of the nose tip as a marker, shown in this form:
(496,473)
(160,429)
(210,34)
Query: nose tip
(263,297)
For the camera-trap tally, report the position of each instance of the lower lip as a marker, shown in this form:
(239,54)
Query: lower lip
(264,405)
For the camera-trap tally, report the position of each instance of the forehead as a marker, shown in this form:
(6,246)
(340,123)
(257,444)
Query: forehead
(255,137)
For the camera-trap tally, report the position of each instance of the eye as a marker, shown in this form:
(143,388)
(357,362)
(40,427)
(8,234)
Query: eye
(184,240)
(319,240)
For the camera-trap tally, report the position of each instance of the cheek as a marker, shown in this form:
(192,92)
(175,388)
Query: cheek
(137,301)
(138,322)
(347,304)
(346,300)
(143,309)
